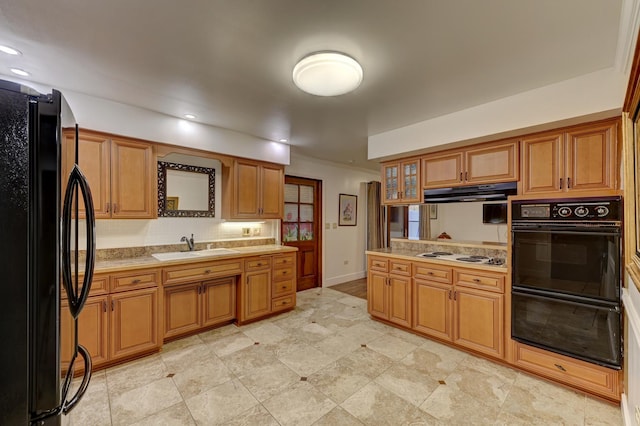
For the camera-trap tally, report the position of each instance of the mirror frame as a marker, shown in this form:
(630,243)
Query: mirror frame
(163,166)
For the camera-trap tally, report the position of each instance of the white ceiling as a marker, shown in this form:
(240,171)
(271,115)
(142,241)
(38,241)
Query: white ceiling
(229,61)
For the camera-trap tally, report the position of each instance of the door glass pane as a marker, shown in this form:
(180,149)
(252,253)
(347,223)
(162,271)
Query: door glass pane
(306,231)
(290,232)
(290,193)
(306,194)
(290,212)
(306,213)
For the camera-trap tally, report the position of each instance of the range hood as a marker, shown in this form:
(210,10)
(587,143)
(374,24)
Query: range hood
(491,192)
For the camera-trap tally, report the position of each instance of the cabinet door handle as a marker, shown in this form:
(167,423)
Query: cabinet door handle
(460,176)
(466,175)
(449,294)
(454,295)
(108,207)
(476,280)
(136,281)
(104,306)
(113,305)
(568,183)
(429,273)
(284,272)
(207,271)
(559,367)
(115,207)
(284,287)
(560,183)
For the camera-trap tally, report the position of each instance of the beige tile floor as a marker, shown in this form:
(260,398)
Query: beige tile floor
(325,363)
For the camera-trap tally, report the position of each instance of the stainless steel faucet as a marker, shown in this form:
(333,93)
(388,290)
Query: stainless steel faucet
(189,241)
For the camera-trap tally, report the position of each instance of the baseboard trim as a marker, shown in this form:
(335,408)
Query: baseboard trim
(344,278)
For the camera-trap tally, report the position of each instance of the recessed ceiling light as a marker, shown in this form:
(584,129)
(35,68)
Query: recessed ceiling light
(327,74)
(189,116)
(20,72)
(284,140)
(9,50)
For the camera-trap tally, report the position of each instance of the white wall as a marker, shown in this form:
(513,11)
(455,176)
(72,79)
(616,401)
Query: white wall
(463,221)
(343,243)
(598,93)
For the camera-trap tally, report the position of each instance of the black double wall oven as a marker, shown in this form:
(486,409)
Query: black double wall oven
(566,277)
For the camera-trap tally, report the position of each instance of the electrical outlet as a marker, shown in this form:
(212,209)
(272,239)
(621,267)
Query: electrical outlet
(256,231)
(335,225)
(327,225)
(246,232)
(346,262)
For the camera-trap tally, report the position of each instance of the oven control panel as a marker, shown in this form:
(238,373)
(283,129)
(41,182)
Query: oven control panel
(609,209)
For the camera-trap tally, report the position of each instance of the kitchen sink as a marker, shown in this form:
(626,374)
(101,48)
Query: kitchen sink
(177,255)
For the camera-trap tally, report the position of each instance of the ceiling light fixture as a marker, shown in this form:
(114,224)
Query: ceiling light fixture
(189,116)
(20,72)
(283,140)
(327,74)
(9,50)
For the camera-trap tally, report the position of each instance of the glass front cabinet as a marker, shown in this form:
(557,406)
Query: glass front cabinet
(401,182)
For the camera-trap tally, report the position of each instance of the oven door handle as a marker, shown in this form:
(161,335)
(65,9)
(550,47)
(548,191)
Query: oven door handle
(567,231)
(573,300)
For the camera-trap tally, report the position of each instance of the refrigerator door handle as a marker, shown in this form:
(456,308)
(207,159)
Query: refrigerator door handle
(67,405)
(77,297)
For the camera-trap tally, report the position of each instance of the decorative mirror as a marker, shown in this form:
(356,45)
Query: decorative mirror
(185,191)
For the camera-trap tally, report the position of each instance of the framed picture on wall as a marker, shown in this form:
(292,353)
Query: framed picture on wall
(348,206)
(433,211)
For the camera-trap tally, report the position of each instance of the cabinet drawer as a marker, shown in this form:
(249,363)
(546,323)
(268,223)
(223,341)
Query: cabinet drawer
(482,280)
(282,287)
(430,272)
(589,377)
(283,274)
(257,263)
(378,264)
(99,286)
(399,267)
(134,279)
(283,261)
(201,271)
(282,303)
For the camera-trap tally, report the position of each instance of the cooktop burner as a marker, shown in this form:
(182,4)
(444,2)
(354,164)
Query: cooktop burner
(468,259)
(427,255)
(478,257)
(442,253)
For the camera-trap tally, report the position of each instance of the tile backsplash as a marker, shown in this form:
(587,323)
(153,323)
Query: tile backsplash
(116,233)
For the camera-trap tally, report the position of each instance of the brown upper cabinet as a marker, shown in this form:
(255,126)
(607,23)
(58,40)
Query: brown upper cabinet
(581,158)
(121,173)
(252,190)
(401,182)
(486,163)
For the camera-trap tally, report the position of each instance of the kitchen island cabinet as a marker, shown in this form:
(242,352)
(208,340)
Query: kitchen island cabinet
(389,290)
(460,310)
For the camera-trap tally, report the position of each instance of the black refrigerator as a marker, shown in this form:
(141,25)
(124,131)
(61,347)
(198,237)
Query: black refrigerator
(39,251)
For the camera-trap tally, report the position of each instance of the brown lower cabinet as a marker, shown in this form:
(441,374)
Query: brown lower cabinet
(194,306)
(466,307)
(268,286)
(451,304)
(117,325)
